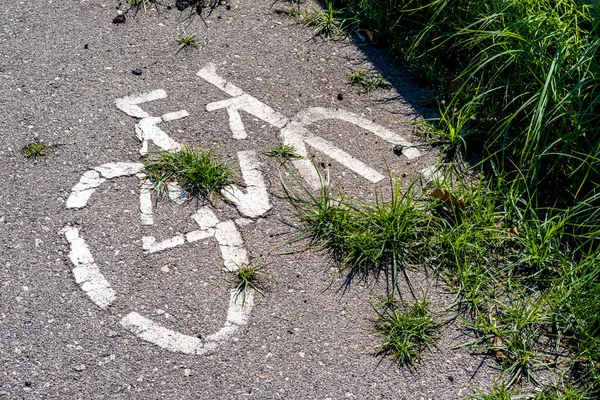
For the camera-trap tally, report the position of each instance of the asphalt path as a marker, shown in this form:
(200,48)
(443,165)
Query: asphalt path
(105,296)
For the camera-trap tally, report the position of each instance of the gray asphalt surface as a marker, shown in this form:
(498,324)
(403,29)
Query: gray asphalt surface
(62,66)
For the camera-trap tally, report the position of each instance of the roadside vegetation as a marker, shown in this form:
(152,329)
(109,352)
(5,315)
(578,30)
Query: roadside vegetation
(515,233)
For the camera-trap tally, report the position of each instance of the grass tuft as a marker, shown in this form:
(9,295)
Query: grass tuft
(248,277)
(283,152)
(187,41)
(367,81)
(35,150)
(196,170)
(367,240)
(330,22)
(408,329)
(500,391)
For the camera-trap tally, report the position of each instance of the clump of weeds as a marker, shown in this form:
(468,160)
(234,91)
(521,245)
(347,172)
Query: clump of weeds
(197,171)
(366,240)
(330,22)
(408,329)
(35,150)
(367,81)
(249,277)
(500,391)
(187,41)
(283,152)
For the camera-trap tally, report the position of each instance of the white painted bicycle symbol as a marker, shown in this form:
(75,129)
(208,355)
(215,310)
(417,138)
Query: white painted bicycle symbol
(252,203)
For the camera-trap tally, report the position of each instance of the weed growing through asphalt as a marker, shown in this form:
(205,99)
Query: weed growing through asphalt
(35,150)
(367,81)
(141,4)
(291,12)
(408,329)
(366,240)
(248,277)
(500,391)
(195,169)
(330,22)
(283,152)
(187,41)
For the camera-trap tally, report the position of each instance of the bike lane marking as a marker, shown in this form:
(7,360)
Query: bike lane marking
(86,272)
(92,282)
(253,202)
(294,131)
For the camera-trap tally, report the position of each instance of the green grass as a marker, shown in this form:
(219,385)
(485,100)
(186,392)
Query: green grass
(515,234)
(195,169)
(187,41)
(500,391)
(408,329)
(367,81)
(35,150)
(329,22)
(366,240)
(249,277)
(528,302)
(283,152)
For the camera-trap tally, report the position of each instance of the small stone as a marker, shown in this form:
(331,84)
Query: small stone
(86,46)
(165,268)
(119,19)
(340,96)
(112,333)
(182,4)
(137,71)
(80,367)
(187,372)
(398,149)
(228,7)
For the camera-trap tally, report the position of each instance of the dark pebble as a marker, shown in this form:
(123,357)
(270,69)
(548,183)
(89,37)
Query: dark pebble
(340,97)
(182,4)
(85,46)
(137,71)
(398,150)
(228,7)
(119,19)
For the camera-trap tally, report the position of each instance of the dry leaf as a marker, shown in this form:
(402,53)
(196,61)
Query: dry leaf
(447,197)
(514,230)
(496,341)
